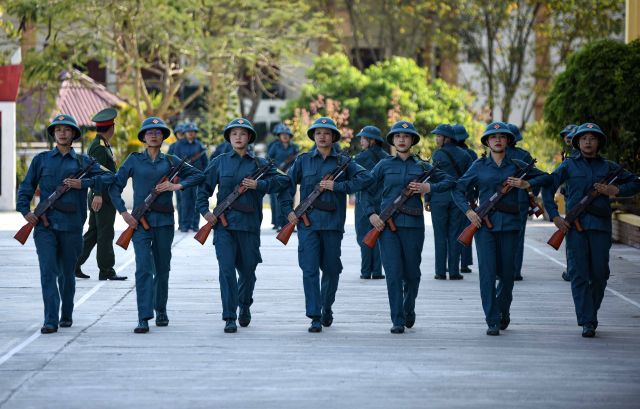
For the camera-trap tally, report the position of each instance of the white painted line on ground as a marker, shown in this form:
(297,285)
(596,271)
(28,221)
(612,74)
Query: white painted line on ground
(4,358)
(560,263)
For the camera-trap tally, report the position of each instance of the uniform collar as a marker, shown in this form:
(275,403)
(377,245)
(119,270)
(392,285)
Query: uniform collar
(55,151)
(145,156)
(315,152)
(249,154)
(99,137)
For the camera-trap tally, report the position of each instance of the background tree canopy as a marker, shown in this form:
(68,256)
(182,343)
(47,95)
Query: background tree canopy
(386,92)
(601,84)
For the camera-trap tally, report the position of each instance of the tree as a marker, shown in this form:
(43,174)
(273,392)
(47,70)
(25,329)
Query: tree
(386,92)
(601,84)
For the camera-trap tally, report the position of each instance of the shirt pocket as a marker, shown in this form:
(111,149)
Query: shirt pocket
(393,177)
(309,177)
(49,179)
(227,178)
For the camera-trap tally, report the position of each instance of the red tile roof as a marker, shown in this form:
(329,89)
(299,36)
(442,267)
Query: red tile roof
(82,97)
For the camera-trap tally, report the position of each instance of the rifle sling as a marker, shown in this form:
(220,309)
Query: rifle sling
(457,169)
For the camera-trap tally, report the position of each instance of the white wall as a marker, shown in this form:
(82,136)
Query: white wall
(8,189)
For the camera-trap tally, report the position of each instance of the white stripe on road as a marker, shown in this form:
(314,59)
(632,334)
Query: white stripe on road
(4,358)
(560,263)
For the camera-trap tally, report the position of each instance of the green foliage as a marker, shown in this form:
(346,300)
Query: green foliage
(386,92)
(601,84)
(547,150)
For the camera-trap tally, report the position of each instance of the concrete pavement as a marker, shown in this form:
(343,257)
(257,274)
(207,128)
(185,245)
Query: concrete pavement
(445,361)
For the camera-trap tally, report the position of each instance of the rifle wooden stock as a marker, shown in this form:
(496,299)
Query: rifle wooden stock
(202,234)
(466,236)
(125,237)
(371,238)
(23,234)
(556,239)
(223,220)
(285,233)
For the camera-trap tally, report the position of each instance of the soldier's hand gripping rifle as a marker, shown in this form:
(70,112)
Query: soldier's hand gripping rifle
(573,215)
(141,210)
(306,205)
(202,234)
(534,207)
(488,206)
(387,213)
(41,210)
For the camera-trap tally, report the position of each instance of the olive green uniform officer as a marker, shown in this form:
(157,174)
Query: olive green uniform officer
(102,213)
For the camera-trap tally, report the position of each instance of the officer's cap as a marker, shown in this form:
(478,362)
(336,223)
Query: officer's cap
(105,117)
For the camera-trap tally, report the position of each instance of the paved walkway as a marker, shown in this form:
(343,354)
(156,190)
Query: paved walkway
(445,361)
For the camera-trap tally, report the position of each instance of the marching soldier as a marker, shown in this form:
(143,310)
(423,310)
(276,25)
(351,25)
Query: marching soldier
(178,131)
(588,250)
(568,151)
(102,214)
(59,244)
(152,247)
(446,217)
(283,152)
(190,147)
(496,247)
(319,244)
(516,152)
(371,142)
(466,254)
(238,244)
(402,250)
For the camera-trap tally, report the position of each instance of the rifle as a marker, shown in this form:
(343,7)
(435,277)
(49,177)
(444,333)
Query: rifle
(487,207)
(284,165)
(574,213)
(305,206)
(387,213)
(41,210)
(534,207)
(202,234)
(141,210)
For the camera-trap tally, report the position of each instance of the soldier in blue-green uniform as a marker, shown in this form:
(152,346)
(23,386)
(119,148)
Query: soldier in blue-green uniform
(59,244)
(102,214)
(588,250)
(190,147)
(446,218)
(238,244)
(496,247)
(319,244)
(152,247)
(567,152)
(283,152)
(516,152)
(402,250)
(466,254)
(371,142)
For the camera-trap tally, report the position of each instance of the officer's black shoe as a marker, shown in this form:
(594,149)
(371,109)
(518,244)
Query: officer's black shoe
(113,277)
(48,329)
(142,328)
(493,330)
(456,277)
(588,331)
(410,320)
(465,270)
(505,320)
(565,276)
(162,319)
(364,277)
(66,322)
(80,274)
(440,277)
(244,318)
(397,329)
(316,326)
(517,278)
(377,277)
(327,319)
(230,327)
